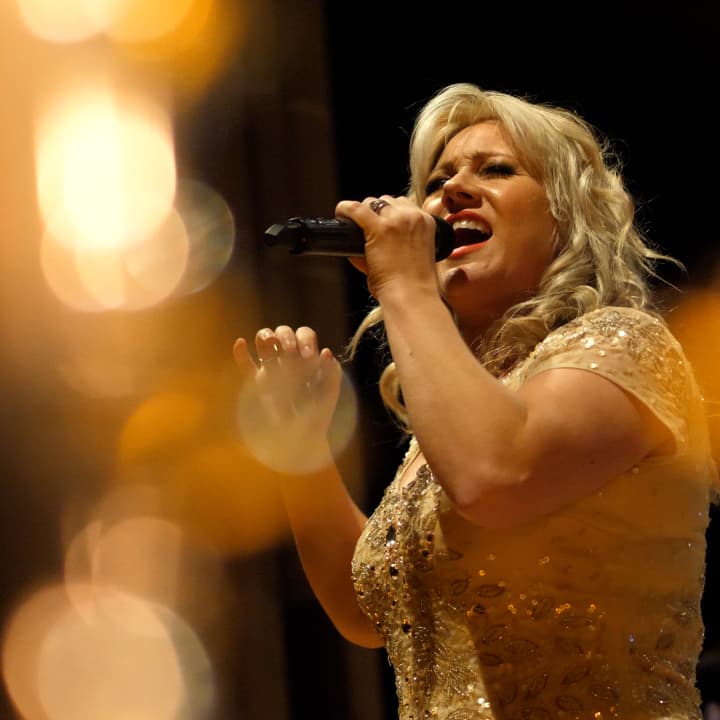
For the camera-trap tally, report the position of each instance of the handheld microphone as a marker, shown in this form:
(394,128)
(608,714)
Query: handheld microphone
(340,236)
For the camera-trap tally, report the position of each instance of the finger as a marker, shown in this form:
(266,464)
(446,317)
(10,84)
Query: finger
(278,378)
(306,339)
(347,208)
(267,345)
(242,357)
(286,336)
(326,381)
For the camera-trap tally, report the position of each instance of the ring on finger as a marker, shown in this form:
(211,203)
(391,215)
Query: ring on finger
(377,205)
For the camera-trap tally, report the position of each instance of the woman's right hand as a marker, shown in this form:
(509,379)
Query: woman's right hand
(288,398)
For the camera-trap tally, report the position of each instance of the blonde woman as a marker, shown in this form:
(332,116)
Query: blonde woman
(540,551)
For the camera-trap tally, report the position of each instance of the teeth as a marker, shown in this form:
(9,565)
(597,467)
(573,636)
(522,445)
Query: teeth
(468,224)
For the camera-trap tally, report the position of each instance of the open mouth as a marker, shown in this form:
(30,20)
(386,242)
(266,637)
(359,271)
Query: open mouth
(470,237)
(469,232)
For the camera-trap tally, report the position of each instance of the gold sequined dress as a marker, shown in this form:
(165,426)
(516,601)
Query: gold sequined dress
(589,613)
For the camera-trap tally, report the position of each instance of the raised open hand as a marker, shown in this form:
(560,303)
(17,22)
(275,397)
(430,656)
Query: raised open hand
(288,398)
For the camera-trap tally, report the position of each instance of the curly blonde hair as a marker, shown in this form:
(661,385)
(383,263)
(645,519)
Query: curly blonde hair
(601,256)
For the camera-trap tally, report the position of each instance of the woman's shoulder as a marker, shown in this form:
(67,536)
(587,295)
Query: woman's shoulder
(632,347)
(610,330)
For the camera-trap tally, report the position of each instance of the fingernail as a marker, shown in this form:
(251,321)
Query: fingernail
(306,351)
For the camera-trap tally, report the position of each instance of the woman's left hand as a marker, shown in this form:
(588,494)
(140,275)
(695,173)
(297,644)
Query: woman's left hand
(399,242)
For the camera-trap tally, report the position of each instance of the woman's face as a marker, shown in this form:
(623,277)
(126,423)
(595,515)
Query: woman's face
(504,230)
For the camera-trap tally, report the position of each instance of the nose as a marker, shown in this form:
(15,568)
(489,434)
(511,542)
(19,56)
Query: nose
(460,192)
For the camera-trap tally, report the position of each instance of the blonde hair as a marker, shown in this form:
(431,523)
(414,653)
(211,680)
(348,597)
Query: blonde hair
(601,257)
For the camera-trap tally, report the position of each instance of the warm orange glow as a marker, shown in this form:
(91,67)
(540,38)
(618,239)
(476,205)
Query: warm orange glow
(105,168)
(195,50)
(213,490)
(224,497)
(166,425)
(98,375)
(696,325)
(139,20)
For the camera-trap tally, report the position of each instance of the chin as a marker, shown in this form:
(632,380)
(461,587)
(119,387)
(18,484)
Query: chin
(473,301)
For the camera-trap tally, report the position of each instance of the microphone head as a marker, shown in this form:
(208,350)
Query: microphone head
(444,239)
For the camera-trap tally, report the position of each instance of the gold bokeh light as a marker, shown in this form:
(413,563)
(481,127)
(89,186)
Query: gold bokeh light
(105,167)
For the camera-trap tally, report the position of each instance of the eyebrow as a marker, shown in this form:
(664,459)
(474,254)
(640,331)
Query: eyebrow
(473,157)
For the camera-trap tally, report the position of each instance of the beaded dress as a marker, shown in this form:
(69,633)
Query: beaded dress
(591,612)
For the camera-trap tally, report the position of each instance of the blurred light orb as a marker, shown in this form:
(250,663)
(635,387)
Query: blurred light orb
(23,638)
(194,52)
(105,167)
(59,268)
(140,556)
(210,228)
(137,556)
(157,266)
(60,21)
(127,278)
(61,664)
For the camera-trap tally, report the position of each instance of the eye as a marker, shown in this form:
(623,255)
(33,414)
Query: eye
(499,169)
(435,184)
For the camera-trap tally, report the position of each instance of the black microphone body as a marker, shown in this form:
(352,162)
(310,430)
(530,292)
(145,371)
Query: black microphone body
(340,237)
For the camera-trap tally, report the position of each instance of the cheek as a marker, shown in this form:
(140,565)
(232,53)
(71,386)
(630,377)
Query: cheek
(534,214)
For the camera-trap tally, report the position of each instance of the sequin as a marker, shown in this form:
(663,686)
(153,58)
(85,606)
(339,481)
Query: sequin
(574,616)
(604,692)
(490,591)
(533,687)
(494,633)
(542,607)
(568,702)
(579,672)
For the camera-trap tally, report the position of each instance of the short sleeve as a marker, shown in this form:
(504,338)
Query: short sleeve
(633,349)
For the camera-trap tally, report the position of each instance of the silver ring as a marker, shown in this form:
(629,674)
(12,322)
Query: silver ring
(377,205)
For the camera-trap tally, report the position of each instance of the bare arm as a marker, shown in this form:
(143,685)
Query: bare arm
(502,456)
(288,402)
